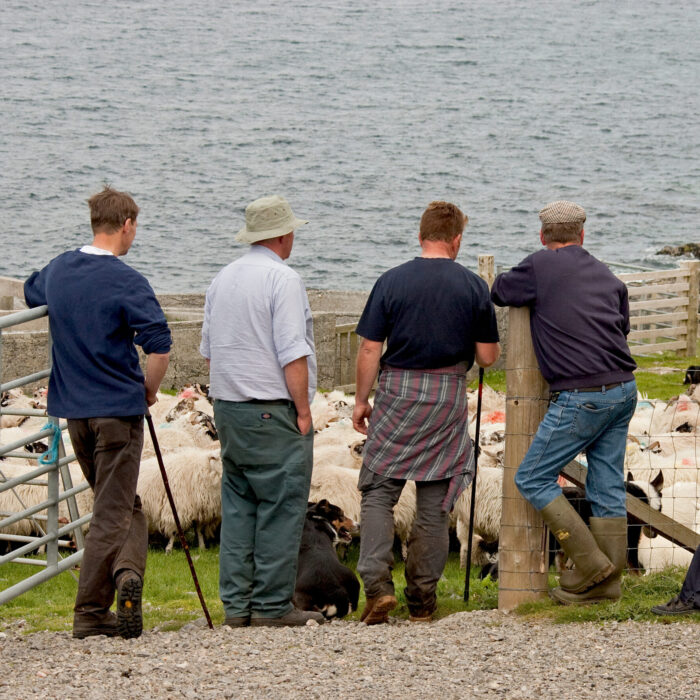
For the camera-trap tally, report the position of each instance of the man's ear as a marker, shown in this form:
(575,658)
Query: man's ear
(542,238)
(582,236)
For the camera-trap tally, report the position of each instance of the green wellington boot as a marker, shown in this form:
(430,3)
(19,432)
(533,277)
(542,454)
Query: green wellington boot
(611,536)
(591,565)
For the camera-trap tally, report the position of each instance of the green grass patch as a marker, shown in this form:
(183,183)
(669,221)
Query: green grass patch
(639,595)
(654,379)
(170,600)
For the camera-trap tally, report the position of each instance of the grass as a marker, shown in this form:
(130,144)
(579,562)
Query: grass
(170,600)
(639,594)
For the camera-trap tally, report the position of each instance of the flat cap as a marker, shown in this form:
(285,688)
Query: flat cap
(562,212)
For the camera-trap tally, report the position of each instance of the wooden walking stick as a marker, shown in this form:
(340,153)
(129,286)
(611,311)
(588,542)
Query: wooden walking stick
(180,533)
(476,462)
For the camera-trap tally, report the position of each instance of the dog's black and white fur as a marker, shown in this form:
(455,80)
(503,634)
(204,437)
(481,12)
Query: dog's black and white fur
(323,583)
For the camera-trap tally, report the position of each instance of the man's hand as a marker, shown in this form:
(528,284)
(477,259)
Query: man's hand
(360,416)
(151,398)
(305,424)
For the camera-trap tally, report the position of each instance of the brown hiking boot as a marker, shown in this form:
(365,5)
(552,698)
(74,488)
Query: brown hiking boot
(378,612)
(129,590)
(83,627)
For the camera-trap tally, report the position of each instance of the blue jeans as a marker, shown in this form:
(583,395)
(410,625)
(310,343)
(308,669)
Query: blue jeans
(594,422)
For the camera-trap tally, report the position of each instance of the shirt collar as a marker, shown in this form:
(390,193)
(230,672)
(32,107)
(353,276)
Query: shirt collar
(92,250)
(263,250)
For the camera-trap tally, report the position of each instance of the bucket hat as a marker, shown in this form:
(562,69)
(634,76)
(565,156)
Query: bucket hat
(266,218)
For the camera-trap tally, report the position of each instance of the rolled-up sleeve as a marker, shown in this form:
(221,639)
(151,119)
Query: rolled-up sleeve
(204,346)
(289,321)
(147,320)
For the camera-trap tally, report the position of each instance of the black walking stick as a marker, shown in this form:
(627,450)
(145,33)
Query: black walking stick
(476,462)
(180,533)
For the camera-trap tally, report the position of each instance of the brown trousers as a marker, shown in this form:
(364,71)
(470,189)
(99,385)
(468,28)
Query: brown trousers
(109,453)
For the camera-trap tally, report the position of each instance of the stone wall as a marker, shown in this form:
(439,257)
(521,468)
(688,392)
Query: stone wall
(26,352)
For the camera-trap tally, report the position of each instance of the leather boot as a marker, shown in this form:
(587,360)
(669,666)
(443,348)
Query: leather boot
(611,536)
(591,565)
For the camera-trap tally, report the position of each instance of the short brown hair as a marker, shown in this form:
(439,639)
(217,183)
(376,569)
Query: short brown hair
(442,221)
(562,233)
(109,210)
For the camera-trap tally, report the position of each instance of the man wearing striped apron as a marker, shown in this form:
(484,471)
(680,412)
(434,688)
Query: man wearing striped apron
(436,318)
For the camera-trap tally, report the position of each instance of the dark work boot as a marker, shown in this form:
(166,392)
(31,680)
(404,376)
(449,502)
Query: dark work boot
(591,565)
(129,590)
(87,626)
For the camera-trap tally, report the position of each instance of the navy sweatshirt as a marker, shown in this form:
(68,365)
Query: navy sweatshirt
(579,316)
(98,308)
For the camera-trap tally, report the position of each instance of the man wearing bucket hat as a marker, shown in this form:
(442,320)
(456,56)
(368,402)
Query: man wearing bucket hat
(257,337)
(579,317)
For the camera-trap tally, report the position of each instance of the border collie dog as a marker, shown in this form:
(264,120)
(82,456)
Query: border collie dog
(323,583)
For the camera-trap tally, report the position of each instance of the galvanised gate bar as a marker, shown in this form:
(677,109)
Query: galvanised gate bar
(50,518)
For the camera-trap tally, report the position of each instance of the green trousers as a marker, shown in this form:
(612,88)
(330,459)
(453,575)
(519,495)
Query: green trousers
(267,466)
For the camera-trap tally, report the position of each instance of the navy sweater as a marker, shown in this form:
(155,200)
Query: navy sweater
(98,308)
(579,316)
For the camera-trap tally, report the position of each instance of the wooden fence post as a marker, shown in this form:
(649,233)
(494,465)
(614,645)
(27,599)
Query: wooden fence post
(523,561)
(487,269)
(693,280)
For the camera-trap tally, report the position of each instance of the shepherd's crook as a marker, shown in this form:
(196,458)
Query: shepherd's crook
(180,533)
(476,462)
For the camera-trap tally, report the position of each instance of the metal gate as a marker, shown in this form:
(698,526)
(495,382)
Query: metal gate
(38,508)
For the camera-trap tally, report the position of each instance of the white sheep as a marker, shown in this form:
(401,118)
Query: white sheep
(487,514)
(674,454)
(25,496)
(338,485)
(15,399)
(179,434)
(194,476)
(679,501)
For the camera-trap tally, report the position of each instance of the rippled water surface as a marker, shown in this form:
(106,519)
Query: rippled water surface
(360,113)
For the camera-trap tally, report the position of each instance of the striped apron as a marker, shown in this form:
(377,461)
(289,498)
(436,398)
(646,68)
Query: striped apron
(418,428)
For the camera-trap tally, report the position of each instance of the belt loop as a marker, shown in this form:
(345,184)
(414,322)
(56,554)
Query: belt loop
(602,389)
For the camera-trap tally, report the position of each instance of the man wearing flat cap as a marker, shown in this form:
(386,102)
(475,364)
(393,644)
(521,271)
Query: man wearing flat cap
(579,318)
(257,337)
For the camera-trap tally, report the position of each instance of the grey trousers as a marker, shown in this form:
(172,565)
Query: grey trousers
(428,543)
(109,453)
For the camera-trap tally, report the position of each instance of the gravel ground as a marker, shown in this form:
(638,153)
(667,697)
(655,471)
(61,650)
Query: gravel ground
(478,654)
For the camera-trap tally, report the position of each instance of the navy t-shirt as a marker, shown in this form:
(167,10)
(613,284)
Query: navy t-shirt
(431,312)
(98,308)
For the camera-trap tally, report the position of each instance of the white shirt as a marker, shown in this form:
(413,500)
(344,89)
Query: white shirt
(257,319)
(92,250)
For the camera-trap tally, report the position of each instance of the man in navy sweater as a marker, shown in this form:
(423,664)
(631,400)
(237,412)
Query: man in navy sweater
(98,308)
(579,318)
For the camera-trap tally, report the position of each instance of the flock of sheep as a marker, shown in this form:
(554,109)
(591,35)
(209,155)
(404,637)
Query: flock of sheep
(662,437)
